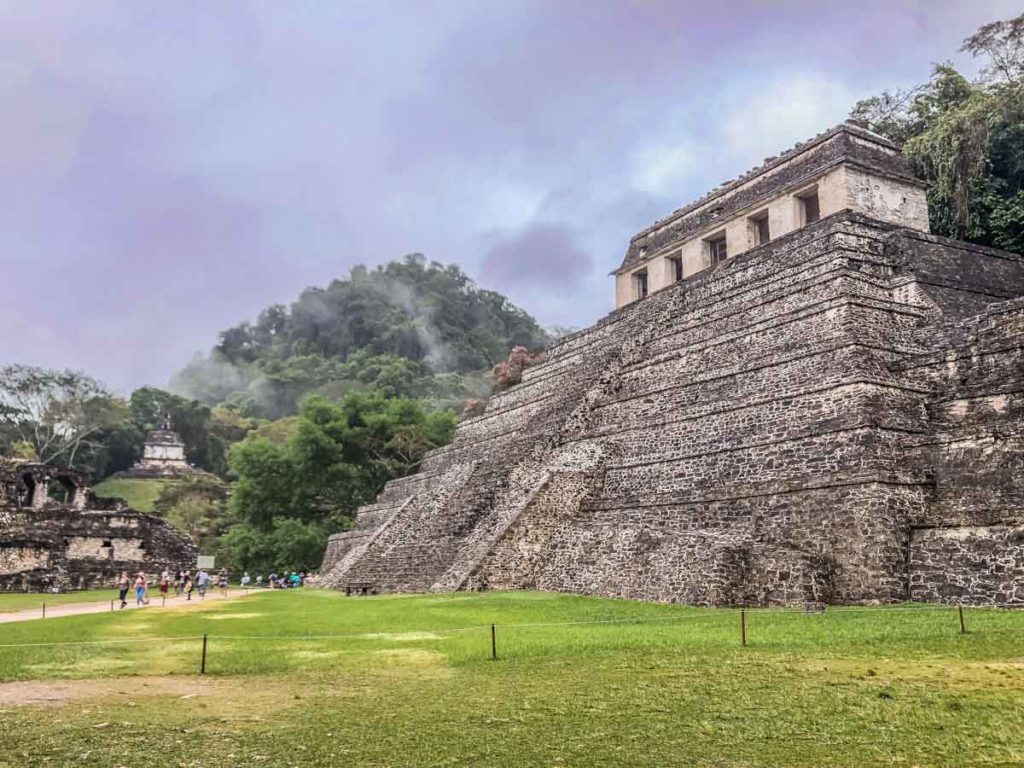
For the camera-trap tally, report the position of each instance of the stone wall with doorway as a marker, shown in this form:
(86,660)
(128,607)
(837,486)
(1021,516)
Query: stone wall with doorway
(76,541)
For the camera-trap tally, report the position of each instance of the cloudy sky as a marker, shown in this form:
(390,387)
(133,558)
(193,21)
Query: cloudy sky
(168,169)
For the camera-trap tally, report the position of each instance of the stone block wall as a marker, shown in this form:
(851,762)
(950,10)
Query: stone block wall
(968,564)
(818,419)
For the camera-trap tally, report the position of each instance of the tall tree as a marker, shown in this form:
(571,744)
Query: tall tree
(196,506)
(966,139)
(59,414)
(292,493)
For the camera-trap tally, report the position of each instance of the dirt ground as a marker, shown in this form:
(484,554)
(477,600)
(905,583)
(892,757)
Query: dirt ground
(55,692)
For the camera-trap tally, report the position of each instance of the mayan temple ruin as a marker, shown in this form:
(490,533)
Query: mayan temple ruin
(801,397)
(55,533)
(163,456)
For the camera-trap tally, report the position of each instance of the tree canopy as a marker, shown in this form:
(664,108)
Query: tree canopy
(337,457)
(411,327)
(966,138)
(55,416)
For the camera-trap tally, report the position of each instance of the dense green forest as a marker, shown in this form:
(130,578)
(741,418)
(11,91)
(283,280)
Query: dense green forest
(409,328)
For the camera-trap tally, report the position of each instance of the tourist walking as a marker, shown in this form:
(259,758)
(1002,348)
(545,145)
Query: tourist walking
(123,585)
(188,585)
(140,589)
(246,580)
(203,580)
(222,582)
(165,583)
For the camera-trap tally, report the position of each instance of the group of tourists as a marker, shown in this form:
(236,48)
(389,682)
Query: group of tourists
(286,580)
(185,583)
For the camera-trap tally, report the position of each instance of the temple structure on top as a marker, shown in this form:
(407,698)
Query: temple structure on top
(802,396)
(847,168)
(163,455)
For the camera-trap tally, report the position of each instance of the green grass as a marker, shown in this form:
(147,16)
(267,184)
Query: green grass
(411,683)
(140,493)
(21,601)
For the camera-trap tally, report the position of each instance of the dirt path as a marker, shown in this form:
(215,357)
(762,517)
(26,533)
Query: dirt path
(54,692)
(155,602)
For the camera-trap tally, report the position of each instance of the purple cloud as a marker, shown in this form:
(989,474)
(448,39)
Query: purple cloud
(543,257)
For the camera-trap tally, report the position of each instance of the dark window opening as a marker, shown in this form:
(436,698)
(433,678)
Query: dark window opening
(640,280)
(676,268)
(30,490)
(108,543)
(811,211)
(717,250)
(762,232)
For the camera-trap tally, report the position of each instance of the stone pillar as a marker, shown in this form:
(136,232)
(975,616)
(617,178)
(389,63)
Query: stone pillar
(79,496)
(40,490)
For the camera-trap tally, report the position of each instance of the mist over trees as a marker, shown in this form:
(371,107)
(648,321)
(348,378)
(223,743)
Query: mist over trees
(966,138)
(413,327)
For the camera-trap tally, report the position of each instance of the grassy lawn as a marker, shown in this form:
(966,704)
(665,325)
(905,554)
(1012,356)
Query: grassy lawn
(20,601)
(140,493)
(411,683)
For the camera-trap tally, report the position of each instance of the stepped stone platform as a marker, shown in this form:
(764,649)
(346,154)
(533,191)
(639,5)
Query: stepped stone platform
(833,415)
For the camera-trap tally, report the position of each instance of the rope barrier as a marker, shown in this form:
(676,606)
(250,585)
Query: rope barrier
(104,642)
(708,614)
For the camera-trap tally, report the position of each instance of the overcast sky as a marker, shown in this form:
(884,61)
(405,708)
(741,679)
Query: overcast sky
(168,169)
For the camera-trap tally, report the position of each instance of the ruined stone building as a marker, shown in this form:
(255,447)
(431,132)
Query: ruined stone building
(802,396)
(54,533)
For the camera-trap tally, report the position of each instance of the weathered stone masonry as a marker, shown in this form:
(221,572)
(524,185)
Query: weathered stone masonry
(54,533)
(836,415)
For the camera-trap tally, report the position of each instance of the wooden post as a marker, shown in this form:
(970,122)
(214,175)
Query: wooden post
(202,664)
(163,599)
(44,610)
(963,628)
(111,606)
(494,643)
(743,625)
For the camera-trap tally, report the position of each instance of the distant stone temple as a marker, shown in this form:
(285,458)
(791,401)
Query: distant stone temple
(55,534)
(163,455)
(801,397)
